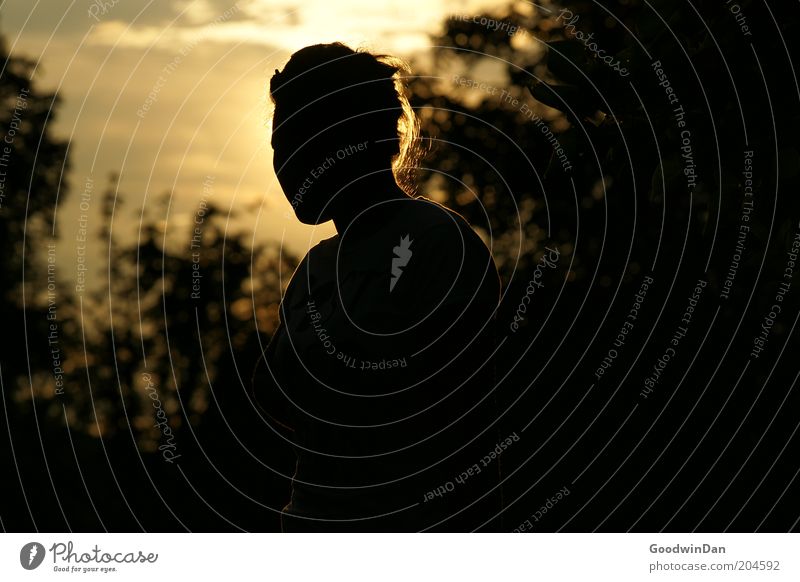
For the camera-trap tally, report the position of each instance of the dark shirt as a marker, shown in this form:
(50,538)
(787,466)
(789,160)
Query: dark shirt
(383,371)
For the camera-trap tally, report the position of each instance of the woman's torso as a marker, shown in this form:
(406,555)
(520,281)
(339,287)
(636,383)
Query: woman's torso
(383,357)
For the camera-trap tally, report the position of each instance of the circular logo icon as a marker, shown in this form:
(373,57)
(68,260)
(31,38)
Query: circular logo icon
(31,555)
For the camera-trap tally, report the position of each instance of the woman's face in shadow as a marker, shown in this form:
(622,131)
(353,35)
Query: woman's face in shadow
(306,163)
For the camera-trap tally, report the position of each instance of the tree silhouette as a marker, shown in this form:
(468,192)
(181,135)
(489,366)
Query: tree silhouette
(87,438)
(620,211)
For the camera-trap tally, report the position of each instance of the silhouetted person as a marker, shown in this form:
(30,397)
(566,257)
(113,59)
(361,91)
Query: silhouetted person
(380,372)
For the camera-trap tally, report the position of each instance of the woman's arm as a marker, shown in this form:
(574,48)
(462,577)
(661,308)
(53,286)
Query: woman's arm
(266,390)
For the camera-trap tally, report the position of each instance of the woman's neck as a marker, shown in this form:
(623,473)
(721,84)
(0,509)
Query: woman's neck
(363,209)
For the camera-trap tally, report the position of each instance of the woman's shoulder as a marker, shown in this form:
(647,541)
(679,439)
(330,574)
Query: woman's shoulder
(313,269)
(446,250)
(442,227)
(317,255)
(428,212)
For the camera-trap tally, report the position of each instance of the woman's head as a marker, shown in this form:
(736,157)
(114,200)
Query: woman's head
(341,116)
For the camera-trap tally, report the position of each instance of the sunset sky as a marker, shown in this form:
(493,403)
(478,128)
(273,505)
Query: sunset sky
(208,61)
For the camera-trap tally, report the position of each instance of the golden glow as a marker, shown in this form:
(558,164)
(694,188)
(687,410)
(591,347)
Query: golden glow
(175,93)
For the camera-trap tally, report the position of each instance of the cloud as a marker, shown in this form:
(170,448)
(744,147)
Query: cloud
(401,26)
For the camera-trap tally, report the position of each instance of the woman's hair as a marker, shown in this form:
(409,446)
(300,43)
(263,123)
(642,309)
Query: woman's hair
(358,96)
